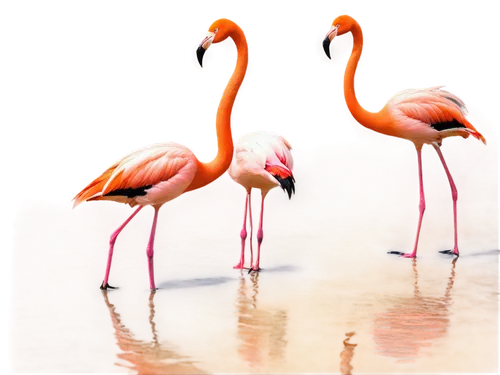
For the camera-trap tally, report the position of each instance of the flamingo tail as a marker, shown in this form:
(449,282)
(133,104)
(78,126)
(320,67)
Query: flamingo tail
(94,189)
(453,133)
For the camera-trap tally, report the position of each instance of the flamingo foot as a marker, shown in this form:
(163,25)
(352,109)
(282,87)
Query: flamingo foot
(250,270)
(403,255)
(107,286)
(239,266)
(255,269)
(152,286)
(451,252)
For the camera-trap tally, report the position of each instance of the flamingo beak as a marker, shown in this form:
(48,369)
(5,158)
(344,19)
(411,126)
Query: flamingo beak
(205,43)
(328,39)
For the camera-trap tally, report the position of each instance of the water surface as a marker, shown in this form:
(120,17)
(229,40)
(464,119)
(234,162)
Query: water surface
(329,298)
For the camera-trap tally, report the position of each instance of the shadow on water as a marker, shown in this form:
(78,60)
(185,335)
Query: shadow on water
(261,333)
(284,268)
(481,254)
(195,282)
(147,357)
(413,323)
(218,280)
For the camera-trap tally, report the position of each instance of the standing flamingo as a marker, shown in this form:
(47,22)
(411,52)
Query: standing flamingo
(263,161)
(161,172)
(421,116)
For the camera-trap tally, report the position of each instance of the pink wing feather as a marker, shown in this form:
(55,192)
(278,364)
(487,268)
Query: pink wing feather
(169,165)
(258,149)
(420,109)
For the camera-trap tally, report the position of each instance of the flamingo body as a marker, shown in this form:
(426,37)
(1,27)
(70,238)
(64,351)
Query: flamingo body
(262,161)
(150,176)
(428,116)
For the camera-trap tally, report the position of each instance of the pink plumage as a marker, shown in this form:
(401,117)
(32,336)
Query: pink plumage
(430,115)
(151,176)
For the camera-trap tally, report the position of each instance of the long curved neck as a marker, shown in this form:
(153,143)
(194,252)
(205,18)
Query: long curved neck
(208,172)
(365,118)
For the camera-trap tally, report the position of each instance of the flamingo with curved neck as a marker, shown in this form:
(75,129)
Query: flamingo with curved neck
(158,173)
(423,116)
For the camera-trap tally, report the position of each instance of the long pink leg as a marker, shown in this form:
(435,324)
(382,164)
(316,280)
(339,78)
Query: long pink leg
(243,235)
(251,226)
(112,241)
(150,251)
(260,234)
(454,195)
(421,206)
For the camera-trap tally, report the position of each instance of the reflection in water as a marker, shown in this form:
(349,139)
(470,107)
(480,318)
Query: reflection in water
(261,333)
(413,323)
(346,355)
(147,357)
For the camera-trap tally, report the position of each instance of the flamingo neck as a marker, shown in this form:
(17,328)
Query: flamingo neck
(364,117)
(208,172)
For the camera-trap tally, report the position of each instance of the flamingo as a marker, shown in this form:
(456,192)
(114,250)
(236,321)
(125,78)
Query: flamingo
(423,116)
(158,173)
(262,161)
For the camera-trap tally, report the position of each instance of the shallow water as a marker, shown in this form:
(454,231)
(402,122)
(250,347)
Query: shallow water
(329,298)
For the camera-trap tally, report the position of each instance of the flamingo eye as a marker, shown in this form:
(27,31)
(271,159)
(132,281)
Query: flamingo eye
(216,29)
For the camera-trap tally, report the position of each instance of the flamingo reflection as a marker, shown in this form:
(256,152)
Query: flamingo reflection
(413,323)
(261,333)
(346,355)
(147,357)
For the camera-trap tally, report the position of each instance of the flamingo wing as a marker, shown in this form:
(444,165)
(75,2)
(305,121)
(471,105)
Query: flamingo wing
(261,148)
(151,175)
(262,159)
(425,111)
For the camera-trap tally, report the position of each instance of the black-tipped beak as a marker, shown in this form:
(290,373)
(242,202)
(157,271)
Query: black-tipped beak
(200,50)
(326,46)
(198,55)
(328,39)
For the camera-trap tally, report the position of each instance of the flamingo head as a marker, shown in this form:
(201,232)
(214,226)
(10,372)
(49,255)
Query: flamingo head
(220,32)
(337,40)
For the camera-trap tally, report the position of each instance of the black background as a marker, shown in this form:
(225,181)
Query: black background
(87,79)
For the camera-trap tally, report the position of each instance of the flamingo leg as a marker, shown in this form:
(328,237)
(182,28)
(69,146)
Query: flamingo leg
(251,226)
(260,234)
(421,207)
(150,251)
(243,235)
(454,195)
(112,241)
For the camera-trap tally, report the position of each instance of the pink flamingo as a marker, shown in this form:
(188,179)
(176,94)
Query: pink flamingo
(421,116)
(161,172)
(262,161)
